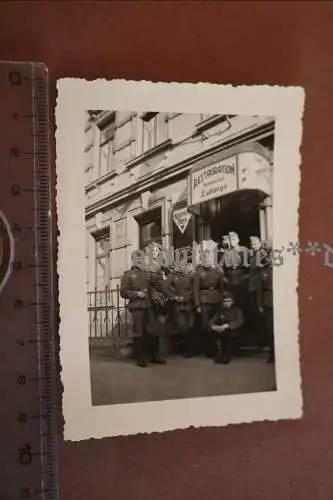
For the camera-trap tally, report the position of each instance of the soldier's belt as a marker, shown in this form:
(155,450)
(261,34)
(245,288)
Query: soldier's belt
(209,288)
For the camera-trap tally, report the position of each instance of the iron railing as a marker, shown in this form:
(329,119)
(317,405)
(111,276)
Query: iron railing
(109,317)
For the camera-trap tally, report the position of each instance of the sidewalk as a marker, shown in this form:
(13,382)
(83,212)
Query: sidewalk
(114,381)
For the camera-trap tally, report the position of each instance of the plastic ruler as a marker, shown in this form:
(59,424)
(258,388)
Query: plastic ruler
(27,298)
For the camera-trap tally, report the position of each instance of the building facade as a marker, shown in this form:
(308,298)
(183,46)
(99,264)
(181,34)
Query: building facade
(174,178)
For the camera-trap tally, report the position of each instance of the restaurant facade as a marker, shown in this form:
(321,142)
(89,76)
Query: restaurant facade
(176,179)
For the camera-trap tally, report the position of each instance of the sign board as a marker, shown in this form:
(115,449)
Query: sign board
(213,181)
(181,218)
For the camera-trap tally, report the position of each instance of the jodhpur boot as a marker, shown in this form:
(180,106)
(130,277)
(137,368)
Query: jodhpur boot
(140,353)
(218,353)
(226,358)
(227,345)
(218,358)
(155,357)
(188,346)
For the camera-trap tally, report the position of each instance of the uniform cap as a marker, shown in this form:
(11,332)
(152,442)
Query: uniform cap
(227,296)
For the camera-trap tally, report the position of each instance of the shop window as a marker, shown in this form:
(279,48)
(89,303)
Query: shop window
(154,130)
(102,253)
(106,148)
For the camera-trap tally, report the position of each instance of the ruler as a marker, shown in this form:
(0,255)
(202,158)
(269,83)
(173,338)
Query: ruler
(28,383)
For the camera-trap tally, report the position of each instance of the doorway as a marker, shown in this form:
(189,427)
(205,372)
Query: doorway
(239,212)
(245,223)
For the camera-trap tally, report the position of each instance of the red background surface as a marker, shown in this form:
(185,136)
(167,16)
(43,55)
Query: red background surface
(285,43)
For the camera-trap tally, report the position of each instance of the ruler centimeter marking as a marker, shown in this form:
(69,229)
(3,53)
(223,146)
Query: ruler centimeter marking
(27,300)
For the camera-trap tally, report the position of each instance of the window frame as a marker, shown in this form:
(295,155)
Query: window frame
(151,120)
(152,215)
(109,140)
(103,234)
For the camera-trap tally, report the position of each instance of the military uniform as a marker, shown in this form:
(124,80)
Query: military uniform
(182,284)
(265,303)
(237,271)
(170,324)
(133,281)
(233,318)
(161,295)
(208,288)
(257,260)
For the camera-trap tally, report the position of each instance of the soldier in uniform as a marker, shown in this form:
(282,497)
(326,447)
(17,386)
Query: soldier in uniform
(161,296)
(257,260)
(181,282)
(170,321)
(225,326)
(265,303)
(135,286)
(225,246)
(209,284)
(237,269)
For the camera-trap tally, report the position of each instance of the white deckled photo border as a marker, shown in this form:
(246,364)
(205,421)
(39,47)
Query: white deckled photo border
(75,96)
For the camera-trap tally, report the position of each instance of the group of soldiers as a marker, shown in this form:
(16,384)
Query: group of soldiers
(209,306)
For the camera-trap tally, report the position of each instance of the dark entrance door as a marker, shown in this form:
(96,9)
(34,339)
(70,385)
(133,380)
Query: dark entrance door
(244,221)
(237,212)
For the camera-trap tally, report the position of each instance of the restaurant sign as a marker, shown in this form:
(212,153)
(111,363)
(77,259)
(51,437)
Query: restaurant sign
(213,181)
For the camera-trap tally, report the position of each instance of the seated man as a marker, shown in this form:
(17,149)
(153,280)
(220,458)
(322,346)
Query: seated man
(225,324)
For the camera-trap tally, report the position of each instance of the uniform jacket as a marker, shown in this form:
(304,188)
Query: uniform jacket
(133,281)
(160,291)
(235,263)
(182,285)
(265,290)
(233,317)
(208,285)
(258,257)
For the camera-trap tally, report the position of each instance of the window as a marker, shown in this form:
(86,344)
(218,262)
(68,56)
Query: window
(107,148)
(154,130)
(151,231)
(150,227)
(102,242)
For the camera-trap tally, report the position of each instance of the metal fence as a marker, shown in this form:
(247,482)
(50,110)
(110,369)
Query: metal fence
(109,317)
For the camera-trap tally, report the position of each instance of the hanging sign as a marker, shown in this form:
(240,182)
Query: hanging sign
(213,181)
(181,218)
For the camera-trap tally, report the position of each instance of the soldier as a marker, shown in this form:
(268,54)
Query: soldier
(265,303)
(209,284)
(181,282)
(257,260)
(170,323)
(135,286)
(236,264)
(225,243)
(225,326)
(225,246)
(161,295)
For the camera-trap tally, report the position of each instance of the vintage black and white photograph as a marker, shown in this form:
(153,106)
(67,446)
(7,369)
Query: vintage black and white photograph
(164,190)
(177,302)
